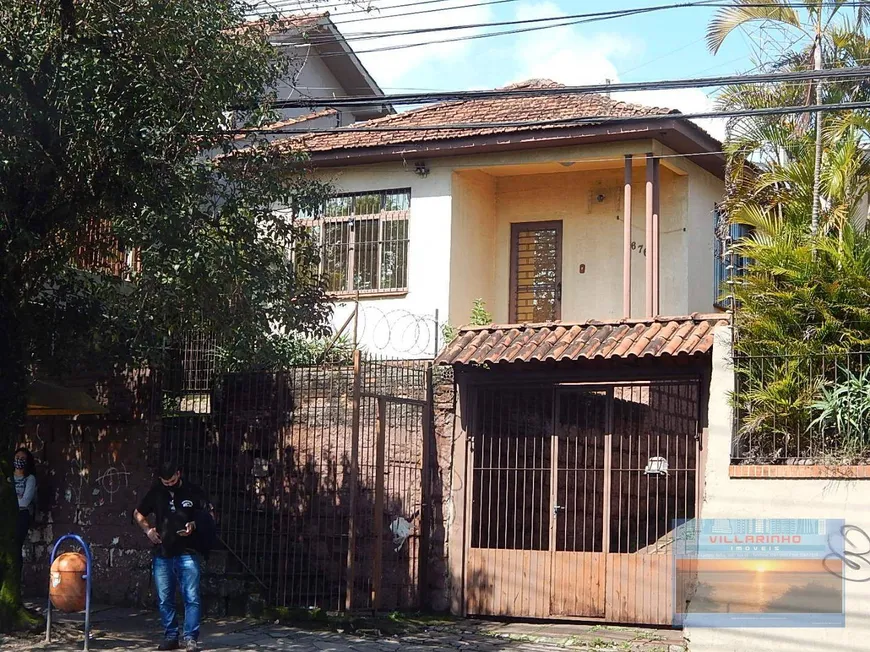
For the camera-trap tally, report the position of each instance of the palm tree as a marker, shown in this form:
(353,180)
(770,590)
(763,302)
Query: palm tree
(816,34)
(805,294)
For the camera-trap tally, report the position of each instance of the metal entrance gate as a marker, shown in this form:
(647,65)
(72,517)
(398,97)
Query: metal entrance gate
(574,491)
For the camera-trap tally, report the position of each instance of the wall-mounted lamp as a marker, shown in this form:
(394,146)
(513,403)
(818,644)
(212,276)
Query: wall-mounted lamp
(566,164)
(421,169)
(657,466)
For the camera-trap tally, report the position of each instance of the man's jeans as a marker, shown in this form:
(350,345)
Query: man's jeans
(183,569)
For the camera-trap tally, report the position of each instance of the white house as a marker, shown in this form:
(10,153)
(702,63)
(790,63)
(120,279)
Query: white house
(323,66)
(587,227)
(529,219)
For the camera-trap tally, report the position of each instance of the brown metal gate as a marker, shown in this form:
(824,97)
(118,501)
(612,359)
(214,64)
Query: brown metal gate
(568,518)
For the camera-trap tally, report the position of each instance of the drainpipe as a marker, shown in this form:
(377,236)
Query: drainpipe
(656,246)
(626,242)
(650,182)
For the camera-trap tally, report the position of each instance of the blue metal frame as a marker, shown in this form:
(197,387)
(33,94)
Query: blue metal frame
(87,578)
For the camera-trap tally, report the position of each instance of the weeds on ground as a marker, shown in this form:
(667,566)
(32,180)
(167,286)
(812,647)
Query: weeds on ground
(386,624)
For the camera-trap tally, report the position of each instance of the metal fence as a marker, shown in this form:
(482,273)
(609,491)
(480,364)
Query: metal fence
(802,409)
(318,474)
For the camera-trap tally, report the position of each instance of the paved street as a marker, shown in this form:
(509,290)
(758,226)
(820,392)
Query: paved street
(125,629)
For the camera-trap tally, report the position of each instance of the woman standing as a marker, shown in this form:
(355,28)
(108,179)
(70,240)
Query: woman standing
(25,488)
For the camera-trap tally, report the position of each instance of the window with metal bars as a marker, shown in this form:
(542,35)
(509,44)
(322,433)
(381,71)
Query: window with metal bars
(99,250)
(726,263)
(364,241)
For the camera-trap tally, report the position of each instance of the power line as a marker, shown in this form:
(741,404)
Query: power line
(600,16)
(266,7)
(510,32)
(314,7)
(663,56)
(571,122)
(695,82)
(379,16)
(404,14)
(572,19)
(276,8)
(616,13)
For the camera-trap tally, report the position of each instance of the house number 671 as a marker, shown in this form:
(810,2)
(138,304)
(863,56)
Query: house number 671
(639,248)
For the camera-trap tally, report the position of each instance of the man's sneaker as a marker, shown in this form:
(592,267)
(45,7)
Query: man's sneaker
(168,644)
(191,646)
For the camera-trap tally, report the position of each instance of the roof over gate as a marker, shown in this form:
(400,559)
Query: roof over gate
(558,341)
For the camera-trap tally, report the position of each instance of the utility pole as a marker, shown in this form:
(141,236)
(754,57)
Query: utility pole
(817,169)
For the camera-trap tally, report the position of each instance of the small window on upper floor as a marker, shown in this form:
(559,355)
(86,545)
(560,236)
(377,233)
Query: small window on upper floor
(363,239)
(727,265)
(98,249)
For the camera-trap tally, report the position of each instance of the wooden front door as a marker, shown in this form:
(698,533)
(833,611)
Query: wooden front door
(536,272)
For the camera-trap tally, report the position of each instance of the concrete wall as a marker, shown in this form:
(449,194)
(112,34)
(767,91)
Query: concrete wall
(404,326)
(473,273)
(92,471)
(310,77)
(445,551)
(725,497)
(704,191)
(592,236)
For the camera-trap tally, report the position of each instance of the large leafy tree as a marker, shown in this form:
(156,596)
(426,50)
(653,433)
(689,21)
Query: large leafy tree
(114,147)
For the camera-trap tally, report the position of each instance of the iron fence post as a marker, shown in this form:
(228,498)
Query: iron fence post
(378,520)
(426,491)
(354,475)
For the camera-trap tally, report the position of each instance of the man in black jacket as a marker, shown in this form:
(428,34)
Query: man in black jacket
(177,506)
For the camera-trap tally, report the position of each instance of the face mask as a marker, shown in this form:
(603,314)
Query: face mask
(20,463)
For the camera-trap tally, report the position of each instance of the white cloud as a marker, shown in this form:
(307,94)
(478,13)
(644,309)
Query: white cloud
(569,60)
(567,54)
(687,100)
(574,54)
(391,66)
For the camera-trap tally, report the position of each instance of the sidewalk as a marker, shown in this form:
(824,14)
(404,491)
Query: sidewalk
(128,629)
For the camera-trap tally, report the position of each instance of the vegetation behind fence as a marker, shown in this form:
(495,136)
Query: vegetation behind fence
(809,408)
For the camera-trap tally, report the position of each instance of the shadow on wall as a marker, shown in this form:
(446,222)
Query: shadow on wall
(478,591)
(90,473)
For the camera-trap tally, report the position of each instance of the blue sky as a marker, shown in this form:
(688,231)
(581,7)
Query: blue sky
(653,46)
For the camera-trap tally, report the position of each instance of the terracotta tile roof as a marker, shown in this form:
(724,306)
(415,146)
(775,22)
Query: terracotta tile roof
(323,113)
(628,338)
(525,107)
(294,21)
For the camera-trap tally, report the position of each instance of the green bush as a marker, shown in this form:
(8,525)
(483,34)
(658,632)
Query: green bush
(843,410)
(479,317)
(803,305)
(282,351)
